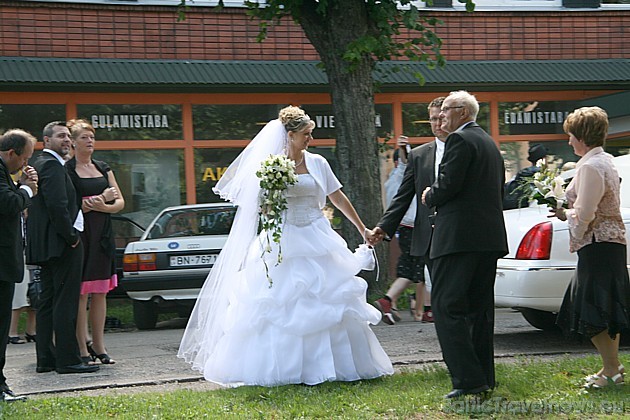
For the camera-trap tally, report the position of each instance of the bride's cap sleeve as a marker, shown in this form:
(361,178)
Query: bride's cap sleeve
(330,181)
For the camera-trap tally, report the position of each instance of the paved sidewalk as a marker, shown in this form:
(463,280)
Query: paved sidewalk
(149,357)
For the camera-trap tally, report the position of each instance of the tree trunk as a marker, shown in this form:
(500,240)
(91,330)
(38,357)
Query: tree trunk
(357,153)
(353,105)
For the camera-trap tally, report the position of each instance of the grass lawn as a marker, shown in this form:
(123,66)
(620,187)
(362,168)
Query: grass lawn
(526,388)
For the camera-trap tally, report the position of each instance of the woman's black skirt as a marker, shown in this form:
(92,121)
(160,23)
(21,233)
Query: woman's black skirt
(598,298)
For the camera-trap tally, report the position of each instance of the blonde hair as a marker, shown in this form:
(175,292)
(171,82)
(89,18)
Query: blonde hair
(295,119)
(588,124)
(77,125)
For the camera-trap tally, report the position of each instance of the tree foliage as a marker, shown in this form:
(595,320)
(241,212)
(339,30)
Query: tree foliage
(383,35)
(351,36)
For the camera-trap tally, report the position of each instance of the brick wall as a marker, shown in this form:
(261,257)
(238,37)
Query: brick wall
(133,32)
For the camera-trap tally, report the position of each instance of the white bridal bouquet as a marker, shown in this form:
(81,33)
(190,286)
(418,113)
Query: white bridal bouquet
(548,188)
(276,173)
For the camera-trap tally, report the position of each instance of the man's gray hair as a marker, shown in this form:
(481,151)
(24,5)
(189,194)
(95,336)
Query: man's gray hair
(463,98)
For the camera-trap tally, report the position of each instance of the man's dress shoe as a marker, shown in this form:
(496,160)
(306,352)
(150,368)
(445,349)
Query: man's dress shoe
(7,395)
(78,368)
(44,369)
(458,392)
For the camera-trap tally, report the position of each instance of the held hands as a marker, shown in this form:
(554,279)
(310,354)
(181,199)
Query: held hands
(374,236)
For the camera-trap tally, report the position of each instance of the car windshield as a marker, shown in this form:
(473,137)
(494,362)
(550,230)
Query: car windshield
(193,222)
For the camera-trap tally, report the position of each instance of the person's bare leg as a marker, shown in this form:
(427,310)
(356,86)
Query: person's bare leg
(15,320)
(396,289)
(420,297)
(427,296)
(98,314)
(608,349)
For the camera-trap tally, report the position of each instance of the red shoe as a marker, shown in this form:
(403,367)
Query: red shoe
(427,316)
(385,306)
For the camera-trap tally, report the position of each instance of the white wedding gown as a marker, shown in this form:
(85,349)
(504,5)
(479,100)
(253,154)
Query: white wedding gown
(311,326)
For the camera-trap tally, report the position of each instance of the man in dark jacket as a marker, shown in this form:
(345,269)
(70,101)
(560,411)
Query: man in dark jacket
(468,238)
(54,243)
(16,147)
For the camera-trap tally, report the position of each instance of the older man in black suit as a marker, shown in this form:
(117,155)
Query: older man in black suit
(468,238)
(53,242)
(16,148)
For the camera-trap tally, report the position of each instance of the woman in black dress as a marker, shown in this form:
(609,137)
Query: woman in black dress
(597,302)
(96,183)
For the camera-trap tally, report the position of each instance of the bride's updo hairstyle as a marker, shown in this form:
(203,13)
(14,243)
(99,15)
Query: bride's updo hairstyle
(295,119)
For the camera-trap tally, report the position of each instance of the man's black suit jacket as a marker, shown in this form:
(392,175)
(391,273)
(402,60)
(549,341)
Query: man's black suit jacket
(51,218)
(468,196)
(420,173)
(13,201)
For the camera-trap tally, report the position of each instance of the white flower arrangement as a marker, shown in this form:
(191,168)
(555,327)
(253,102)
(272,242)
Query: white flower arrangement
(276,173)
(548,188)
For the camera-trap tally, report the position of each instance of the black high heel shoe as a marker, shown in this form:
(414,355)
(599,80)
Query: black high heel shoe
(30,337)
(16,340)
(87,360)
(104,357)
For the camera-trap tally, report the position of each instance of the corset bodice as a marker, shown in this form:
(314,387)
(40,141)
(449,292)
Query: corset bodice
(303,207)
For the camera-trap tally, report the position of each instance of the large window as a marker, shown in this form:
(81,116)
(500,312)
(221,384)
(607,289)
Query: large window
(31,118)
(150,180)
(416,119)
(534,117)
(211,164)
(134,122)
(515,155)
(242,122)
(326,122)
(231,122)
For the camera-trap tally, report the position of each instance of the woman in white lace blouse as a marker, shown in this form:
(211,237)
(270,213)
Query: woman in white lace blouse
(596,304)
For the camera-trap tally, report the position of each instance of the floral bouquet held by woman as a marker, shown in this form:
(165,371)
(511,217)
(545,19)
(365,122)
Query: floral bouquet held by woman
(547,187)
(276,173)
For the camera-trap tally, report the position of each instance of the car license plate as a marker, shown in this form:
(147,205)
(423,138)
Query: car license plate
(192,260)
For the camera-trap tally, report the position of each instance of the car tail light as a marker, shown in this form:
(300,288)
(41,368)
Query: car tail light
(139,262)
(146,262)
(130,262)
(536,244)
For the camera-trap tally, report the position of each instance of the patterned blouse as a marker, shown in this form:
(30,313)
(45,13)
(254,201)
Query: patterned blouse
(593,196)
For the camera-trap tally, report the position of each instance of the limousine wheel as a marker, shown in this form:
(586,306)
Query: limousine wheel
(145,314)
(542,320)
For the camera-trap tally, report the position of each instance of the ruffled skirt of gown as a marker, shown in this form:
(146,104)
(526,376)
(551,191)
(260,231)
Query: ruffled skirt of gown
(309,327)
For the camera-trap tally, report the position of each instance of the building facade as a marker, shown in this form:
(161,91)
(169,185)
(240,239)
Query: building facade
(173,102)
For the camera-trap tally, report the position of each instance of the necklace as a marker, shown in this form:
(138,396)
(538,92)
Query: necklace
(300,162)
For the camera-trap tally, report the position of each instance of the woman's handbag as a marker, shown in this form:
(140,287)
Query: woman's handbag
(34,287)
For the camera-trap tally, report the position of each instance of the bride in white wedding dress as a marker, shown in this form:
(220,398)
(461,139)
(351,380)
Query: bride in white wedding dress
(311,325)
